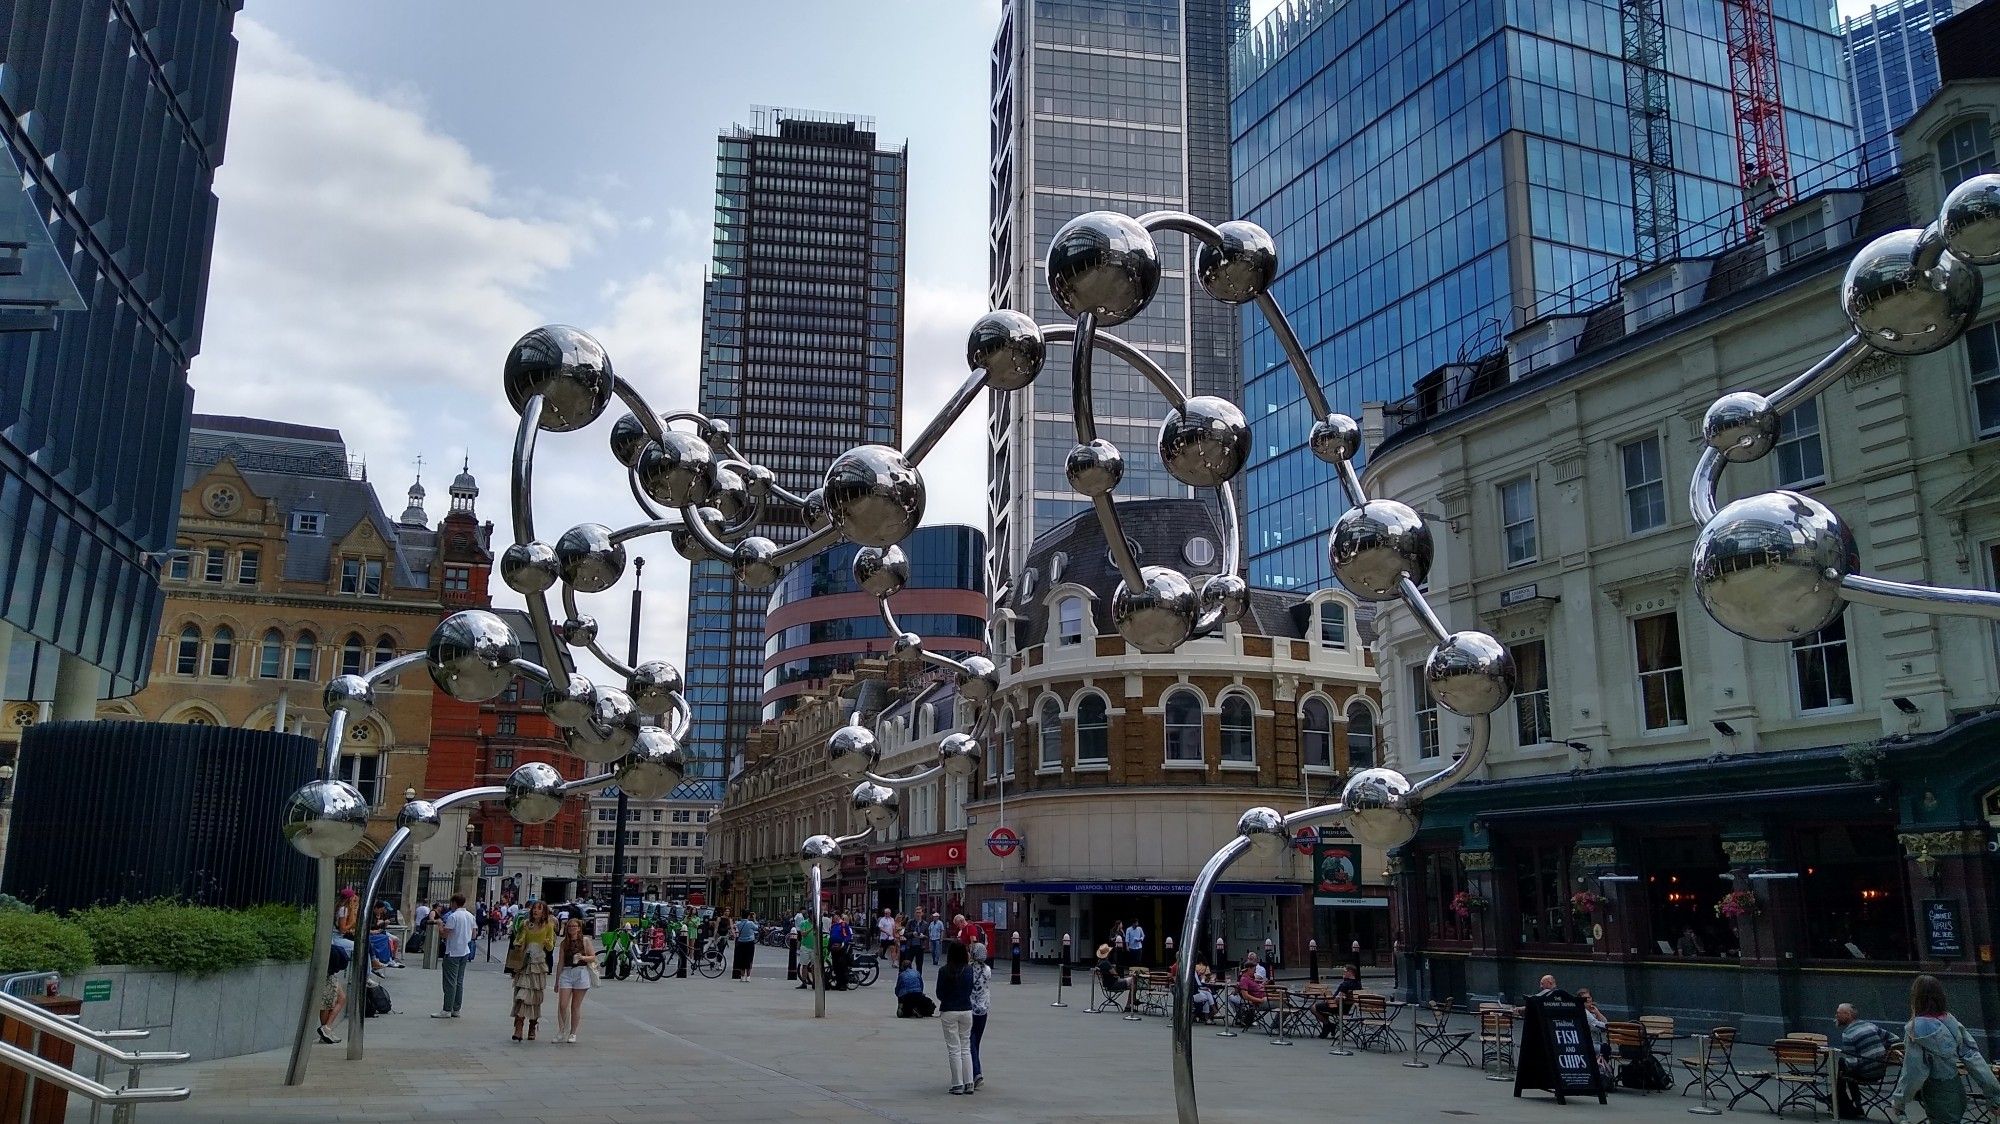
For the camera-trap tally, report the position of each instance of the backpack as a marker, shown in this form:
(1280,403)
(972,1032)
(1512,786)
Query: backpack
(1646,1072)
(378,999)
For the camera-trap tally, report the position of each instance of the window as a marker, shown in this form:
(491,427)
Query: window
(350,575)
(1007,752)
(1662,689)
(302,656)
(187,652)
(698,859)
(1801,237)
(677,865)
(385,650)
(1820,668)
(371,578)
(1517,520)
(222,653)
(1333,625)
(604,838)
(656,837)
(1360,736)
(457,579)
(1532,725)
(1645,489)
(361,771)
(1799,458)
(508,725)
(249,563)
(1965,152)
(1183,723)
(680,815)
(652,864)
(1092,730)
(350,655)
(701,817)
(1316,734)
(1652,300)
(503,759)
(1051,735)
(1239,730)
(307,522)
(215,567)
(177,565)
(656,815)
(271,655)
(1543,892)
(1069,618)
(1424,709)
(679,838)
(1982,354)
(600,864)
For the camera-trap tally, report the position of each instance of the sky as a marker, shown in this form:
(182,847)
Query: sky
(408,188)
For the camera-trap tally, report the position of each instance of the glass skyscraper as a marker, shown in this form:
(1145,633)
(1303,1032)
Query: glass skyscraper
(802,354)
(1439,174)
(1118,105)
(112,115)
(1892,60)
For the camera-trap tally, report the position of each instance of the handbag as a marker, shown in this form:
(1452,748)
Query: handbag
(517,957)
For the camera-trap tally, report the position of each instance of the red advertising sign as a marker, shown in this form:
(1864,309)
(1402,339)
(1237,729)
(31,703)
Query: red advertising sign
(885,862)
(1003,842)
(933,855)
(1304,840)
(1338,869)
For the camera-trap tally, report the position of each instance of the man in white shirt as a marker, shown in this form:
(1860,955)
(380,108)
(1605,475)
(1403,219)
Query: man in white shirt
(885,934)
(418,935)
(457,930)
(1135,943)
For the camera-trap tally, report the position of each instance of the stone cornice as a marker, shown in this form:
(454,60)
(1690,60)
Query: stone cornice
(1951,841)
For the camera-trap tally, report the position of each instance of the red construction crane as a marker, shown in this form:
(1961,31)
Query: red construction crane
(1759,101)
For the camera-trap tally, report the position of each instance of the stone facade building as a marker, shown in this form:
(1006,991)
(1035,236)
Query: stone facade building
(665,846)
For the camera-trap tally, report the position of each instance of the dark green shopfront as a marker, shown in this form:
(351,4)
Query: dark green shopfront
(1758,891)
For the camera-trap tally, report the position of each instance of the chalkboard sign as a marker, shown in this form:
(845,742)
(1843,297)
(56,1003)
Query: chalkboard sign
(1941,929)
(1556,1050)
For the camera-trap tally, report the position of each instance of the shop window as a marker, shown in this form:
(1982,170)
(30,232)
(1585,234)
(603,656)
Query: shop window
(1316,733)
(1360,736)
(1239,730)
(1443,878)
(1544,892)
(1051,735)
(1853,888)
(1183,727)
(1093,729)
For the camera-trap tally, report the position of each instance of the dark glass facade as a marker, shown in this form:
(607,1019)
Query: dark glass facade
(1892,59)
(1117,105)
(114,113)
(1438,175)
(802,354)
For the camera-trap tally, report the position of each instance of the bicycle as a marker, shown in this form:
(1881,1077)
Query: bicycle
(655,963)
(713,958)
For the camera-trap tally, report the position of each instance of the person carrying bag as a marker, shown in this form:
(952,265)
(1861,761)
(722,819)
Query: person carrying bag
(1935,1046)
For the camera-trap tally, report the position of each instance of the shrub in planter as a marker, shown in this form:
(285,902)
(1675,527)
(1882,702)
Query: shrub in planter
(286,930)
(41,942)
(195,940)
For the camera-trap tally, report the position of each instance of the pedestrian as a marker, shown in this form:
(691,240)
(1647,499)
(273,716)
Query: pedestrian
(1135,944)
(1935,1047)
(578,957)
(812,957)
(418,931)
(746,945)
(885,933)
(529,958)
(936,933)
(1864,1057)
(456,929)
(840,938)
(344,916)
(954,998)
(332,996)
(1354,955)
(381,942)
(911,1002)
(982,998)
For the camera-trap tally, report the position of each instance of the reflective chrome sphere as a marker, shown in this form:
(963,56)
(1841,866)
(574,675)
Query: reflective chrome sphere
(529,567)
(1242,268)
(1265,829)
(980,679)
(908,648)
(1106,263)
(688,545)
(571,705)
(567,368)
(587,558)
(959,754)
(325,819)
(717,433)
(752,562)
(1971,220)
(610,731)
(1226,594)
(653,686)
(471,655)
(822,851)
(1471,673)
(875,804)
(1008,346)
(1336,438)
(881,571)
(1741,426)
(349,694)
(1206,442)
(731,495)
(534,792)
(759,480)
(578,631)
(629,440)
(1769,567)
(1159,617)
(678,471)
(421,819)
(874,495)
(1902,310)
(1376,545)
(654,766)
(851,751)
(814,509)
(1095,469)
(1379,810)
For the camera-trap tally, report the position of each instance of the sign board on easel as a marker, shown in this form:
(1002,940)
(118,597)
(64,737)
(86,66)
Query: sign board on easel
(1556,1050)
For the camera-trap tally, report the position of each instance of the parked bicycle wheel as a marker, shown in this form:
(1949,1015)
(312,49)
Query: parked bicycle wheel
(653,968)
(865,970)
(711,964)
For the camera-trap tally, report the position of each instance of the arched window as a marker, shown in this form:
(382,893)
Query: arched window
(1965,151)
(1239,730)
(1069,622)
(1360,736)
(187,652)
(271,655)
(1092,730)
(222,653)
(1183,715)
(385,650)
(1051,734)
(1007,751)
(1333,626)
(304,650)
(350,655)
(1316,733)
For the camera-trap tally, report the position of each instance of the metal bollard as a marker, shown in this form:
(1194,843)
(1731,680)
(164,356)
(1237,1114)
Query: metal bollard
(1312,961)
(1062,981)
(1014,978)
(792,956)
(687,950)
(433,944)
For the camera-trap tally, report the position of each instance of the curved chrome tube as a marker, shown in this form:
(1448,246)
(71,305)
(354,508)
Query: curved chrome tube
(1183,1031)
(1130,353)
(618,667)
(1861,589)
(947,417)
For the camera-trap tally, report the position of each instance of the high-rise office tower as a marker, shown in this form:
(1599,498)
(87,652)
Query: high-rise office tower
(112,115)
(802,354)
(1117,105)
(1440,175)
(1892,61)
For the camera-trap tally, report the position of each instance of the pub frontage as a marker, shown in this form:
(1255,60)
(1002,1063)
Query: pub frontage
(1758,891)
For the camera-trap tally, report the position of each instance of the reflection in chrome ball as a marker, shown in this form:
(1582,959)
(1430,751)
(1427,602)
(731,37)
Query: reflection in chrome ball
(587,558)
(881,571)
(730,495)
(1378,806)
(578,631)
(654,766)
(1242,268)
(1970,220)
(1901,309)
(1769,567)
(1008,346)
(1265,829)
(1106,263)
(753,563)
(851,751)
(1470,674)
(1336,438)
(1094,469)
(421,819)
(1741,427)
(571,704)
(471,654)
(814,510)
(874,495)
(350,695)
(1206,442)
(717,433)
(628,440)
(653,685)
(1378,544)
(959,754)
(529,567)
(1225,595)
(610,731)
(1159,616)
(325,819)
(678,471)
(875,804)
(534,792)
(823,852)
(979,679)
(907,648)
(688,545)
(568,368)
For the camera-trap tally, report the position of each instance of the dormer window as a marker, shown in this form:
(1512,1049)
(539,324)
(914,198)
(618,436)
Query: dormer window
(1801,237)
(1069,622)
(1651,301)
(308,522)
(1333,626)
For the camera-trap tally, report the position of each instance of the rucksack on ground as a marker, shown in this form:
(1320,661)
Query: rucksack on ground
(378,999)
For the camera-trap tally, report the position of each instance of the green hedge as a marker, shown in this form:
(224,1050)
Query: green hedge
(191,939)
(41,942)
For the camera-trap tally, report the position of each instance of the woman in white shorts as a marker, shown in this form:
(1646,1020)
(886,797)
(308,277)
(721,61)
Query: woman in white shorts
(576,959)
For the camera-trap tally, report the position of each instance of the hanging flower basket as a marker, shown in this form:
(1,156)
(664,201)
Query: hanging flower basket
(1465,903)
(1738,903)
(1583,903)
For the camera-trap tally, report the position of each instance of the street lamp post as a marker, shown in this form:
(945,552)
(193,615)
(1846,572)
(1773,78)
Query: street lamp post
(618,836)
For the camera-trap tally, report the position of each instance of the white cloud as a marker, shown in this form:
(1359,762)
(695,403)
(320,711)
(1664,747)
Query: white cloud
(935,322)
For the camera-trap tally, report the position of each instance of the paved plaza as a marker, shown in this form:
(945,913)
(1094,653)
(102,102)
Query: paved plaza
(719,1052)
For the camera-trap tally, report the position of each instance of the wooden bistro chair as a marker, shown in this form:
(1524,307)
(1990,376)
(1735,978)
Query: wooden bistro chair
(1804,1069)
(1628,1043)
(1710,1069)
(1377,1025)
(1874,1098)
(1496,1039)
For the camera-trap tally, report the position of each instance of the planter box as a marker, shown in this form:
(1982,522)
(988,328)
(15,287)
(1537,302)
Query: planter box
(240,1011)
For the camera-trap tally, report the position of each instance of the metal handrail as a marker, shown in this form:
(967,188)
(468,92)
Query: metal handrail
(23,1011)
(42,1069)
(11,981)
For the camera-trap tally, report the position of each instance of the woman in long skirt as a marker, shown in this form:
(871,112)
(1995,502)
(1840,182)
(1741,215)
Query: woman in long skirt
(535,936)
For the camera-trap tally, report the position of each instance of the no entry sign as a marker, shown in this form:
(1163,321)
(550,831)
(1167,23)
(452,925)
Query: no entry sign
(491,857)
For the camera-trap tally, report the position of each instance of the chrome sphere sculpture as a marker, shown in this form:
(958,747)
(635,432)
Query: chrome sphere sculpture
(1778,566)
(325,819)
(421,819)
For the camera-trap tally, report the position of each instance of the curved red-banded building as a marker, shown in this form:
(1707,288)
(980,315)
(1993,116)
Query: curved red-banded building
(820,622)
